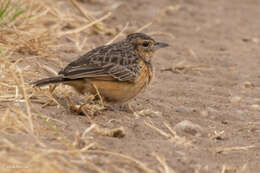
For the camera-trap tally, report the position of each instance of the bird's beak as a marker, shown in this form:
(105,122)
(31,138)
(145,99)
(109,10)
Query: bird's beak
(159,45)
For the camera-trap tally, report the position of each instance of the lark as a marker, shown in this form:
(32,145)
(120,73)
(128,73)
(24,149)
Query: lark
(117,72)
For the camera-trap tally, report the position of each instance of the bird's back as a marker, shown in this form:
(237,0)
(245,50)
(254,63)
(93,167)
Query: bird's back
(119,61)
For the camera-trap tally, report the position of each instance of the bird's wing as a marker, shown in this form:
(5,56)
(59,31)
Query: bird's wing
(102,66)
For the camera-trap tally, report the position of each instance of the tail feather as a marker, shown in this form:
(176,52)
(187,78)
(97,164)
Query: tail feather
(50,80)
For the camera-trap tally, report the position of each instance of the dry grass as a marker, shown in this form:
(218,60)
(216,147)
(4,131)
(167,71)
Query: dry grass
(10,11)
(172,136)
(30,140)
(230,149)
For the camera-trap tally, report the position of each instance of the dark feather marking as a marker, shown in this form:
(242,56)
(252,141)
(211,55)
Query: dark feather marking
(118,60)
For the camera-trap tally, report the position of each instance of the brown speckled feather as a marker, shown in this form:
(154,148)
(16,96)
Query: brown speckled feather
(119,60)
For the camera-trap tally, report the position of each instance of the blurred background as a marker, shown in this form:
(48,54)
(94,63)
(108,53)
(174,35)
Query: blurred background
(201,113)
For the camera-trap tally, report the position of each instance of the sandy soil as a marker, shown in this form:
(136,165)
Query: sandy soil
(208,76)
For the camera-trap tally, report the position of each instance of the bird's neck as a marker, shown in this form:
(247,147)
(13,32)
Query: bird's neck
(146,57)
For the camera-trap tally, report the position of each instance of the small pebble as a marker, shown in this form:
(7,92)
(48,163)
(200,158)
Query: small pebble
(249,84)
(181,109)
(224,122)
(189,127)
(204,113)
(235,99)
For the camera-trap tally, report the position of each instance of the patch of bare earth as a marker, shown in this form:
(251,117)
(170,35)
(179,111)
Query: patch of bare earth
(200,114)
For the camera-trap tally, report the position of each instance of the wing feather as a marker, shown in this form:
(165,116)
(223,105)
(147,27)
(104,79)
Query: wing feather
(105,62)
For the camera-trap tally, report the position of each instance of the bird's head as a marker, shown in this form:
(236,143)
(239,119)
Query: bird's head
(145,45)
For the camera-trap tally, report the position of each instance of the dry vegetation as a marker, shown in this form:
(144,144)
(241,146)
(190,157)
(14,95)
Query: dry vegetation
(33,31)
(37,38)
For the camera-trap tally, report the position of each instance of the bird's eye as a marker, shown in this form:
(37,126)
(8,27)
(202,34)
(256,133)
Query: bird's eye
(145,44)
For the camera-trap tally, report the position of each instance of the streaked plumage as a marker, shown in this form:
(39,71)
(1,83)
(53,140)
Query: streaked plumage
(119,71)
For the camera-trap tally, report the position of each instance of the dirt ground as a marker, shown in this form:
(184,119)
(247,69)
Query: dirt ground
(209,76)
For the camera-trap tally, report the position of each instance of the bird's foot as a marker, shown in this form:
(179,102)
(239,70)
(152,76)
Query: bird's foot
(128,108)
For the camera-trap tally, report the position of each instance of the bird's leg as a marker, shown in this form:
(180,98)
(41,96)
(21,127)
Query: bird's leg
(130,108)
(99,96)
(84,109)
(127,108)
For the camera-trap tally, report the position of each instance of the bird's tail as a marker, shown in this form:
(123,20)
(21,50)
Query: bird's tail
(50,80)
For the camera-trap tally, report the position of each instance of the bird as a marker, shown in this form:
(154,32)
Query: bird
(118,72)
